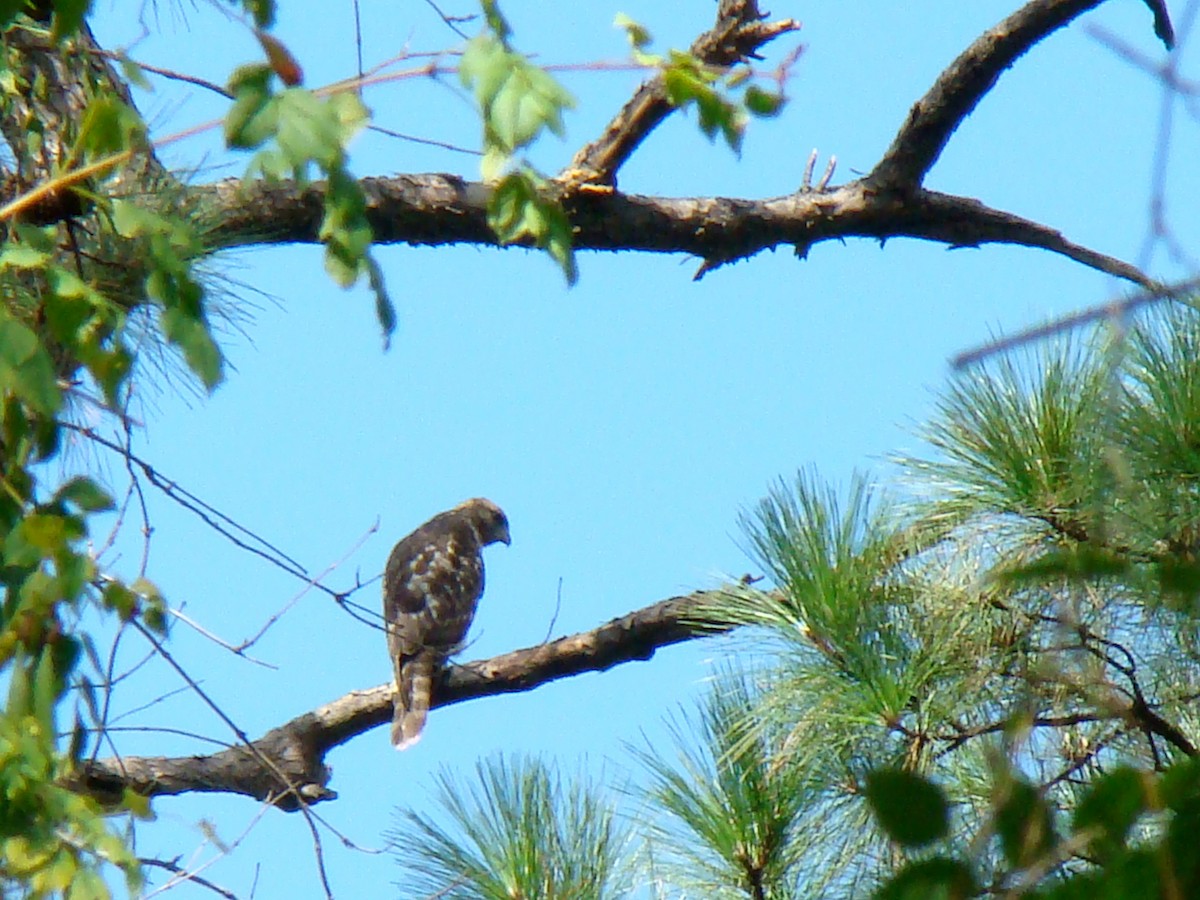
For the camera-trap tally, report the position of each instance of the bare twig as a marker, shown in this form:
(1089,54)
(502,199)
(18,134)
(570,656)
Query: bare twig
(312,582)
(1116,309)
(172,866)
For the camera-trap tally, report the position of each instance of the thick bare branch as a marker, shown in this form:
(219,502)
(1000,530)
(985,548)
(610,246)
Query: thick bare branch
(445,209)
(960,87)
(296,750)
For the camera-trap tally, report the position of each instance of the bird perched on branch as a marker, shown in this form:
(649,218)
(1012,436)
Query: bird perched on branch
(432,583)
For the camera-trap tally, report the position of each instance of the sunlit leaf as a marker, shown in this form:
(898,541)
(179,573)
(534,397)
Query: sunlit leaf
(762,103)
(253,117)
(86,494)
(26,369)
(110,126)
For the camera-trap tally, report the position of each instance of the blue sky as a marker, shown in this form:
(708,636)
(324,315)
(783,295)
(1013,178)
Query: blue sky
(622,424)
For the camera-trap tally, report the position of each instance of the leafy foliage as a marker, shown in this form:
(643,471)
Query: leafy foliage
(998,666)
(910,808)
(85,280)
(518,102)
(712,91)
(294,130)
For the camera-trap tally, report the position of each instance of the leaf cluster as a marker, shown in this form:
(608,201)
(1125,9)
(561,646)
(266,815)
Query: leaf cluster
(725,99)
(518,102)
(97,261)
(294,130)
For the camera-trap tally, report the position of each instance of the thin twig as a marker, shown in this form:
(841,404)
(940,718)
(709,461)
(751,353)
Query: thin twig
(1116,309)
(174,868)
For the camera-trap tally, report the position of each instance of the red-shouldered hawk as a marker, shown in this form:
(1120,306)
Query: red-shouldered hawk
(433,580)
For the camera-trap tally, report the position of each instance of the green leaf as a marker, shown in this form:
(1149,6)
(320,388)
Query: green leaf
(253,117)
(939,878)
(345,230)
(686,82)
(9,10)
(22,256)
(121,600)
(1078,562)
(495,20)
(518,100)
(1179,786)
(912,810)
(639,37)
(682,85)
(26,369)
(132,220)
(46,533)
(46,686)
(1024,823)
(192,336)
(66,284)
(79,733)
(350,113)
(1179,580)
(154,607)
(484,66)
(110,126)
(68,16)
(308,129)
(20,694)
(519,211)
(263,12)
(110,369)
(385,310)
(138,805)
(1111,806)
(85,494)
(761,103)
(135,75)
(529,101)
(88,884)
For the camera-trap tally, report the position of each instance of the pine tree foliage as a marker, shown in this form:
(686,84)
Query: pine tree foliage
(517,831)
(982,683)
(727,814)
(1037,633)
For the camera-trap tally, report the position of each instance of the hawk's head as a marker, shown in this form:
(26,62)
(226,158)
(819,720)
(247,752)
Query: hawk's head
(489,520)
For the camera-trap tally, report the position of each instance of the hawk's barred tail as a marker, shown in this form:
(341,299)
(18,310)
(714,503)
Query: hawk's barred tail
(414,686)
